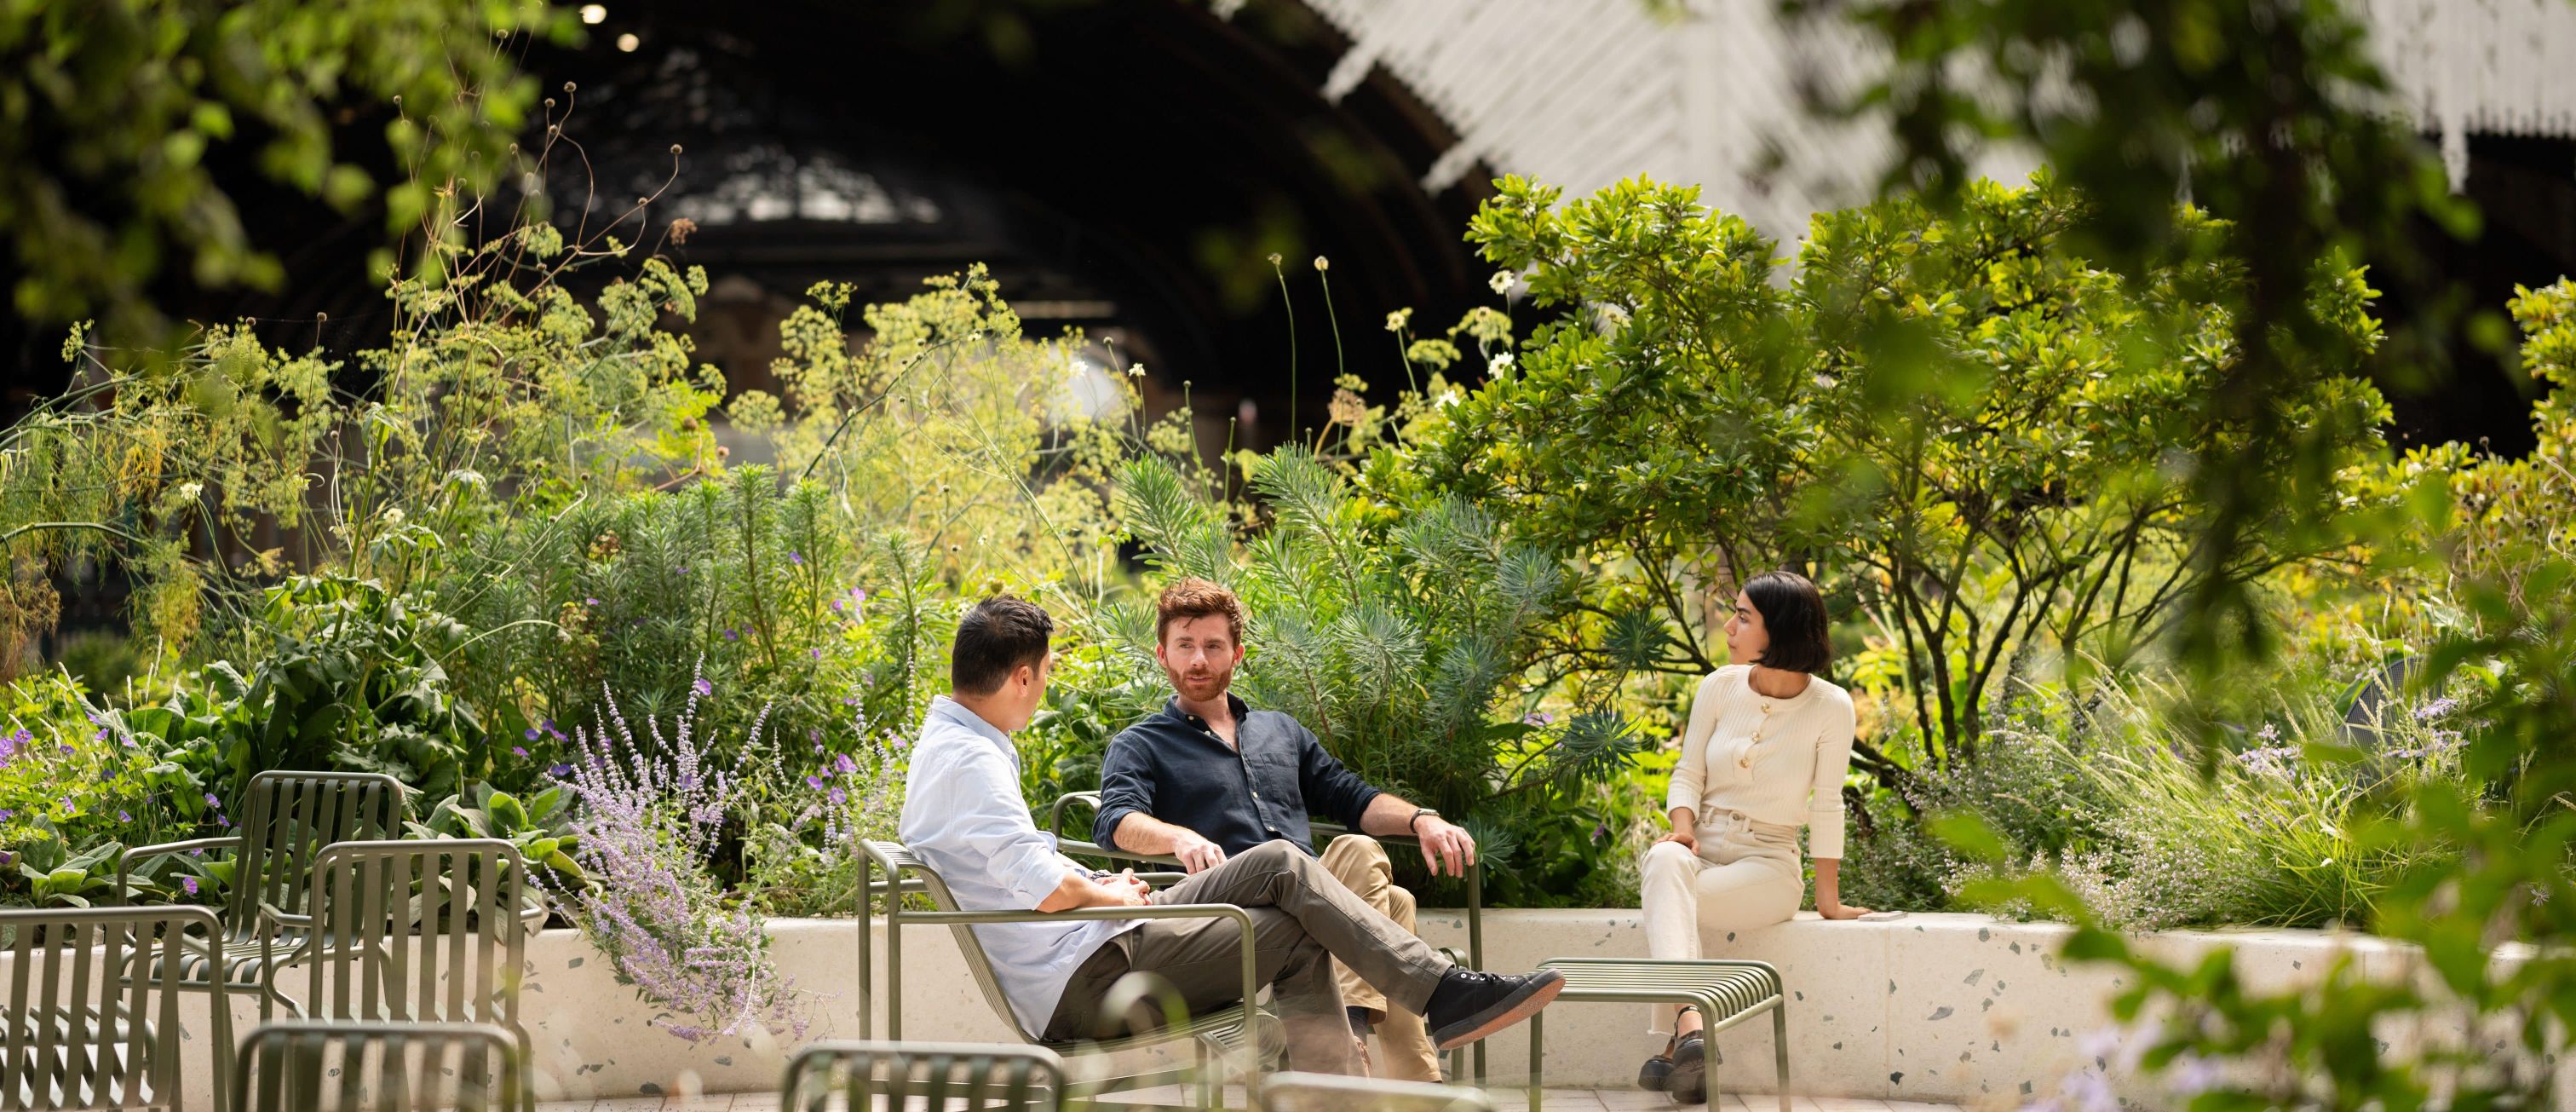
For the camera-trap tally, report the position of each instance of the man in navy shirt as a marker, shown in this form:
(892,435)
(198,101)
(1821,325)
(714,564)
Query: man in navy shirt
(1209,777)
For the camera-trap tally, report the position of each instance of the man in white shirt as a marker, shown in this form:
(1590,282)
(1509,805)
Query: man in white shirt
(964,816)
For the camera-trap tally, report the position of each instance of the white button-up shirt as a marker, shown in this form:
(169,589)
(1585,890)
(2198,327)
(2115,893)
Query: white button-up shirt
(963,816)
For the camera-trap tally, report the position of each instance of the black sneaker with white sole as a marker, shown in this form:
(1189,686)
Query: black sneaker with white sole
(1470,1005)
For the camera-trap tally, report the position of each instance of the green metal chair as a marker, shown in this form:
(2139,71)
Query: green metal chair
(1727,992)
(430,930)
(1475,958)
(338,1066)
(88,1026)
(287,818)
(1324,1092)
(1000,1078)
(1223,1032)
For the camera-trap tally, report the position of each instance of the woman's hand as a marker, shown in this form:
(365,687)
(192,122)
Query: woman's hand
(1840,911)
(1684,821)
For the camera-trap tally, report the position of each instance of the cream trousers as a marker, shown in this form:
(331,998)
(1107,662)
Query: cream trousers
(1745,874)
(1405,1051)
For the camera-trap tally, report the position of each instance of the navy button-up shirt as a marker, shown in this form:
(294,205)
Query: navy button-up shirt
(1173,767)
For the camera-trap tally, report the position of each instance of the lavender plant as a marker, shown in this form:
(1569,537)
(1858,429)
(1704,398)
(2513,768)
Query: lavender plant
(649,812)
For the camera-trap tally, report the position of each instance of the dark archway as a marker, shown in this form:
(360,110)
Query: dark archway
(1124,167)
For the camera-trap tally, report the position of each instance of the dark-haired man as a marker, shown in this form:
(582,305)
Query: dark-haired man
(963,814)
(1210,777)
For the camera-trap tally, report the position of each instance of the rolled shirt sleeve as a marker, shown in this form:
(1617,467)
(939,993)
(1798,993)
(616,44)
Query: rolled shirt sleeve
(1330,787)
(1825,795)
(996,828)
(1126,785)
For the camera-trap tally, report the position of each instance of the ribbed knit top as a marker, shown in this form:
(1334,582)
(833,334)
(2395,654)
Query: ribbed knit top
(1779,761)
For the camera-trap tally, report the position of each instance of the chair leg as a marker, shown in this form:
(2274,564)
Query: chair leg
(1780,1048)
(1538,1048)
(1209,1093)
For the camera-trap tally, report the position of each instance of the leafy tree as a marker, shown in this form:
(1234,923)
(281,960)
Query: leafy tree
(1946,420)
(112,110)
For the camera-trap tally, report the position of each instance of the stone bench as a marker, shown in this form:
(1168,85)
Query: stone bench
(1955,1009)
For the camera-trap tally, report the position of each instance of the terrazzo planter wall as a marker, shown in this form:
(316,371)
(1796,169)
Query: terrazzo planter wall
(1948,1008)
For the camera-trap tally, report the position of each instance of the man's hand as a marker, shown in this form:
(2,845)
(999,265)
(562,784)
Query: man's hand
(1447,849)
(1124,890)
(1197,854)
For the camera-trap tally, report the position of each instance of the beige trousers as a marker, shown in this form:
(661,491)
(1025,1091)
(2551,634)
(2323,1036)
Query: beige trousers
(1404,1051)
(1745,874)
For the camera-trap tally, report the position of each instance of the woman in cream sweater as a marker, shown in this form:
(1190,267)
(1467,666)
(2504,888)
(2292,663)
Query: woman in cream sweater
(1766,751)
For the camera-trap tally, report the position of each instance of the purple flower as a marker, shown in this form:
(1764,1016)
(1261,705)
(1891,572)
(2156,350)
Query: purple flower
(223,822)
(837,796)
(1538,718)
(10,743)
(2436,709)
(189,883)
(559,770)
(590,602)
(844,763)
(211,801)
(518,750)
(6,815)
(730,635)
(796,558)
(814,782)
(704,687)
(818,652)
(531,734)
(836,606)
(121,816)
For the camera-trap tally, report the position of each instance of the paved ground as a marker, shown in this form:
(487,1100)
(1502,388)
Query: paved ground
(1558,1100)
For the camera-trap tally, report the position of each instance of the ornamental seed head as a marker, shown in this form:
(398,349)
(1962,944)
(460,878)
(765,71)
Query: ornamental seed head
(1323,264)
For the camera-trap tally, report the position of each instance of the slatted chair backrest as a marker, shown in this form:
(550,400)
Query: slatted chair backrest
(339,1066)
(852,1076)
(86,1023)
(898,860)
(419,930)
(288,816)
(1319,1092)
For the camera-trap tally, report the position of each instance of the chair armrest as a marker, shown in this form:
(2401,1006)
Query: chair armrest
(534,914)
(1072,847)
(125,861)
(1055,811)
(269,912)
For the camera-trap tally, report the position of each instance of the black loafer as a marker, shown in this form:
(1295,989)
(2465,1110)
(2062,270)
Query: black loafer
(1688,1081)
(1650,1076)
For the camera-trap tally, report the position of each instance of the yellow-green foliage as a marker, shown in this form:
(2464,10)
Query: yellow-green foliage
(950,425)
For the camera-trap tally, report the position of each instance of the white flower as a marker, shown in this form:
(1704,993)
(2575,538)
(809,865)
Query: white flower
(1502,361)
(1135,370)
(1502,281)
(394,516)
(188,492)
(1396,320)
(1322,263)
(1448,398)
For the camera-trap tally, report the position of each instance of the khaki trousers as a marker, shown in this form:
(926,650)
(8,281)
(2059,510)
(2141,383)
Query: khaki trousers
(1746,874)
(1302,919)
(1405,1052)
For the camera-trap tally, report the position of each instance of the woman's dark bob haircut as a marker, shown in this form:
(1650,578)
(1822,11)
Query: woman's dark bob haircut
(1793,613)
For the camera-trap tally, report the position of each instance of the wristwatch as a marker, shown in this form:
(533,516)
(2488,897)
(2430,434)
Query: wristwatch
(1411,825)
